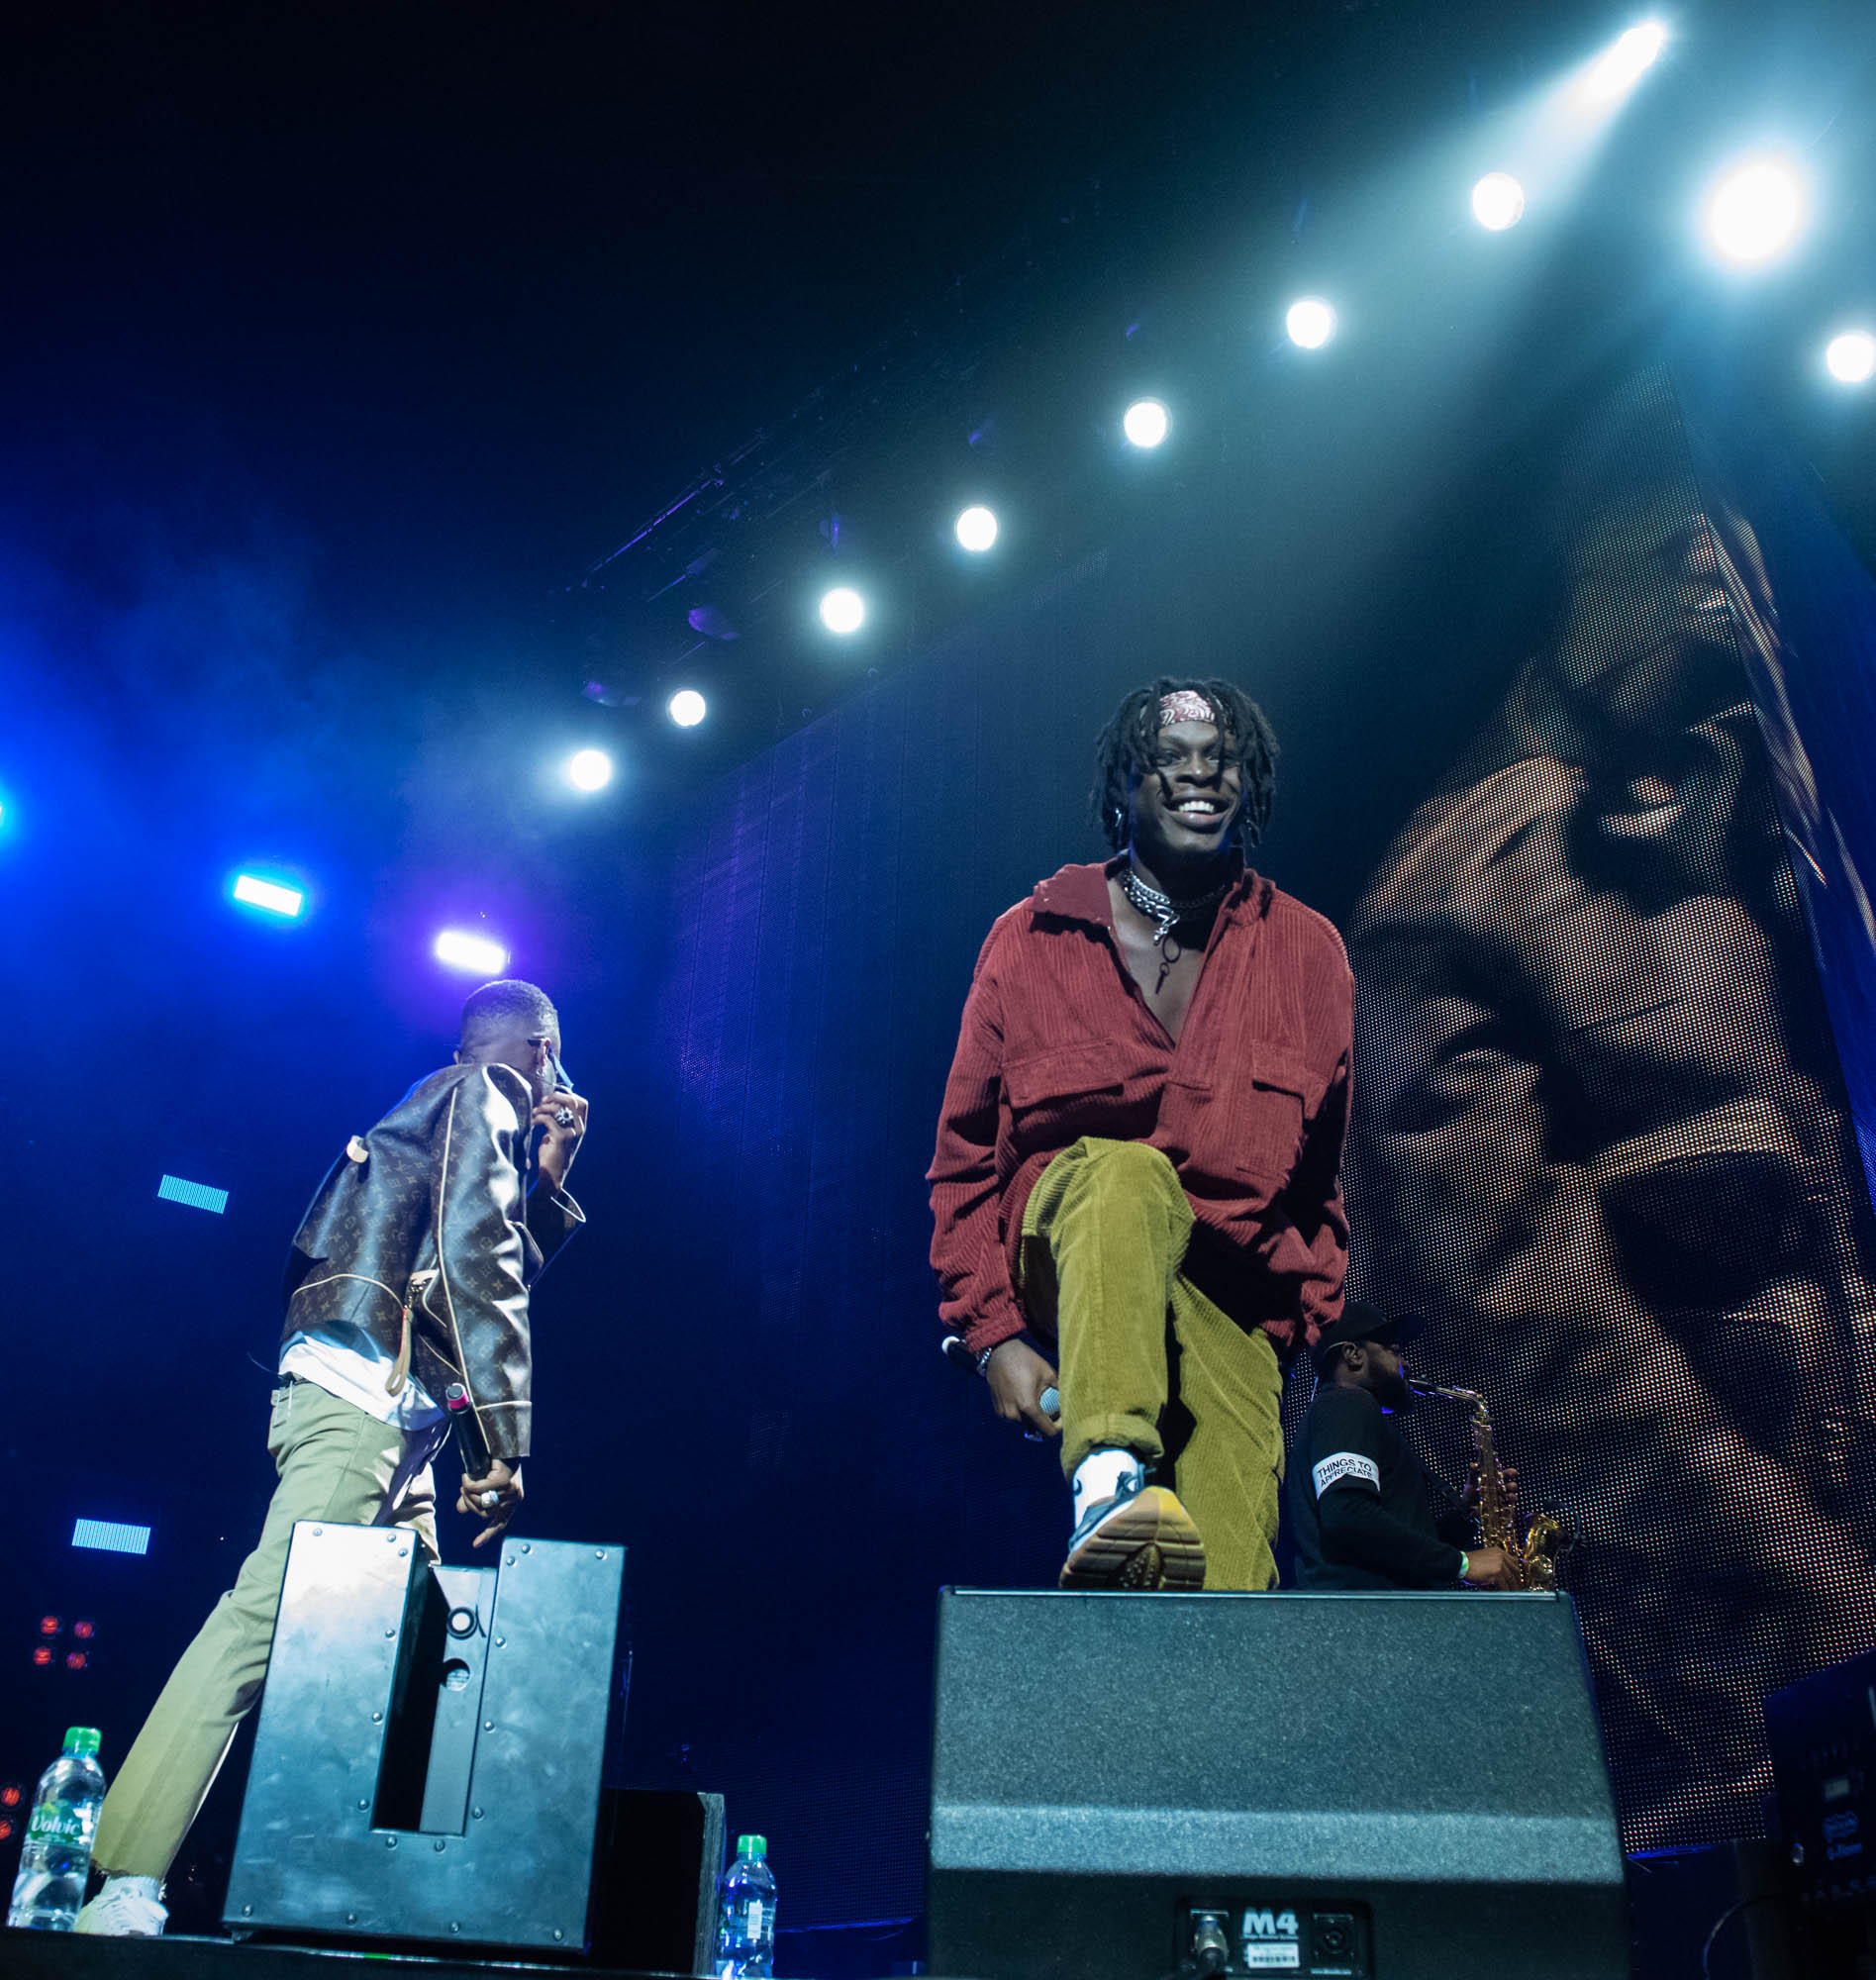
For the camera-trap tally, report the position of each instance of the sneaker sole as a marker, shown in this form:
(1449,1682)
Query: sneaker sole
(1151,1543)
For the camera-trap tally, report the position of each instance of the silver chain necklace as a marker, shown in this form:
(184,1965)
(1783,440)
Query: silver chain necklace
(1162,910)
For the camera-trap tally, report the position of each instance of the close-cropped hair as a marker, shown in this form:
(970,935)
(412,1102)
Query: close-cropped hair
(495,1006)
(1127,748)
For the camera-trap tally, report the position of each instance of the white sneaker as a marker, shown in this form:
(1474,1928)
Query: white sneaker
(127,1908)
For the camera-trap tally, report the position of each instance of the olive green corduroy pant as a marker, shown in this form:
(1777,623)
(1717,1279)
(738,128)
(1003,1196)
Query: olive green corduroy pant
(334,1463)
(1146,1362)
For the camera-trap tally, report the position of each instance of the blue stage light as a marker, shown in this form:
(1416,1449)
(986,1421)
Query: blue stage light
(687,708)
(111,1536)
(977,527)
(1850,358)
(1755,213)
(1498,202)
(1623,65)
(1145,423)
(1311,323)
(589,770)
(473,953)
(268,894)
(842,609)
(197,1195)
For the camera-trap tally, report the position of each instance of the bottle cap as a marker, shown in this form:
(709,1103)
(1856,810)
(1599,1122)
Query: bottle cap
(752,1845)
(82,1740)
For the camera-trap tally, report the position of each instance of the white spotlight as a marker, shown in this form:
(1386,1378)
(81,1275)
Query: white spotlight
(1755,211)
(1622,67)
(842,610)
(686,707)
(1850,358)
(589,770)
(1311,323)
(1498,202)
(1145,423)
(473,953)
(977,529)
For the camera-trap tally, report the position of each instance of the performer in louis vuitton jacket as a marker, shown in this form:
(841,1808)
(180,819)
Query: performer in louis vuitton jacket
(410,1272)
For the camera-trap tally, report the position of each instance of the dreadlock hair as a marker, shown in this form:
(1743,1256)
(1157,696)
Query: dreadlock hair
(492,1006)
(1125,749)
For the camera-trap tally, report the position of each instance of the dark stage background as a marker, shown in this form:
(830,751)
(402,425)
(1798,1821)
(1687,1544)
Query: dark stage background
(1602,1137)
(1612,1159)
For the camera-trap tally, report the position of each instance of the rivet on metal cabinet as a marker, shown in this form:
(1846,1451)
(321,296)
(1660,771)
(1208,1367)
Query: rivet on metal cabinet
(390,1842)
(246,1911)
(501,1643)
(488,1725)
(478,1813)
(441,1846)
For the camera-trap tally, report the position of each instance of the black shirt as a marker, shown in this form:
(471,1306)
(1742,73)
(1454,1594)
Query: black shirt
(1358,1501)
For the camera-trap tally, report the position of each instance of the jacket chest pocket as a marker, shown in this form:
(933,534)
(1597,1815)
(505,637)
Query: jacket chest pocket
(1279,1096)
(1046,1082)
(1252,1121)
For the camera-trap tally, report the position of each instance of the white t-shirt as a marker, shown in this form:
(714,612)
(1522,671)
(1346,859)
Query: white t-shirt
(347,1364)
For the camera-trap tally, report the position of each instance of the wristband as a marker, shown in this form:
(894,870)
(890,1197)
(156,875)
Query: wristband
(1465,1564)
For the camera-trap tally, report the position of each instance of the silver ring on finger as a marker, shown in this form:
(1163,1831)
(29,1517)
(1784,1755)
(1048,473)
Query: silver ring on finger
(489,1501)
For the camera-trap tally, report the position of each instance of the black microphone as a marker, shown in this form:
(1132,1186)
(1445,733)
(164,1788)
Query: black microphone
(471,1445)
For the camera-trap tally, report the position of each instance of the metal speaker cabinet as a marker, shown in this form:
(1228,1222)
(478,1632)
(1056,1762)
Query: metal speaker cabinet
(427,1765)
(1373,1787)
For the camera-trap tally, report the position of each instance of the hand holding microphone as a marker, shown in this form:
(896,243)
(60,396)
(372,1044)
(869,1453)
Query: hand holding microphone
(491,1490)
(1021,1383)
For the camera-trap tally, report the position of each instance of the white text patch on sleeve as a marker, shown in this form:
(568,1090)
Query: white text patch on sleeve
(1343,1464)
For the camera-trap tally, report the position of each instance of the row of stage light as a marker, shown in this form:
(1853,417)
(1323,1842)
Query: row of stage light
(284,900)
(1750,215)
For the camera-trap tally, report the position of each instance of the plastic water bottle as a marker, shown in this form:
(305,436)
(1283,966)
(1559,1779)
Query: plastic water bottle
(55,1858)
(745,1914)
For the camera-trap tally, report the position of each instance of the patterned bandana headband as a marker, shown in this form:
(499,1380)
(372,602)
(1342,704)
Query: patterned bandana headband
(1185,706)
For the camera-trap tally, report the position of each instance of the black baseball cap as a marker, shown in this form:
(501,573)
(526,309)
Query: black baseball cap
(1361,1322)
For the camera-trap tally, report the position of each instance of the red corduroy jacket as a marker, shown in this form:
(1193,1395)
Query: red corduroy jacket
(1251,1105)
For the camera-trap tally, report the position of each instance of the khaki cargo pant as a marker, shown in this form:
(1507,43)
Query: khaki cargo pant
(334,1463)
(1144,1352)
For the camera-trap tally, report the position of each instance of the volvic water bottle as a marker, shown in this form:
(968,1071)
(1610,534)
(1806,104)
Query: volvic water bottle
(55,1858)
(745,1914)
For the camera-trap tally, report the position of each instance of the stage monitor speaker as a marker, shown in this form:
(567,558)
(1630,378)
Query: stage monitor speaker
(1374,1787)
(427,1766)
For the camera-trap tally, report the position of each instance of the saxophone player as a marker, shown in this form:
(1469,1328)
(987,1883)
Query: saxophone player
(1358,1493)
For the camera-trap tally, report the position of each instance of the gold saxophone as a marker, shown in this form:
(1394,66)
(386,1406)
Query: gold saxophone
(1528,1550)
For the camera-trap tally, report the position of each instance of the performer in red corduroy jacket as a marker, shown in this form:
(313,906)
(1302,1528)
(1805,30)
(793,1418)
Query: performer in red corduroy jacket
(1137,1176)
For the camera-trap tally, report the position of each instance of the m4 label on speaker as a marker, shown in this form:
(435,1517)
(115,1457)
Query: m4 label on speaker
(1271,1942)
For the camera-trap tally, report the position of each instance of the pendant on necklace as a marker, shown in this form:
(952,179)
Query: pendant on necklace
(1169,953)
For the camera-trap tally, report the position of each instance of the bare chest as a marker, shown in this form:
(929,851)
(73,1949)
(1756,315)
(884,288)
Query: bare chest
(1167,973)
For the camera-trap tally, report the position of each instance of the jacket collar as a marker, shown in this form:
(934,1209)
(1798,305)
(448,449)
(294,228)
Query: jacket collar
(1080,894)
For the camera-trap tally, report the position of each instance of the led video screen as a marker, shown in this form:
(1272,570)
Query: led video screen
(1601,1138)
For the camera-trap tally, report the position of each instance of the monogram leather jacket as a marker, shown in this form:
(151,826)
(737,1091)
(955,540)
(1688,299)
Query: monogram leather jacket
(424,1238)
